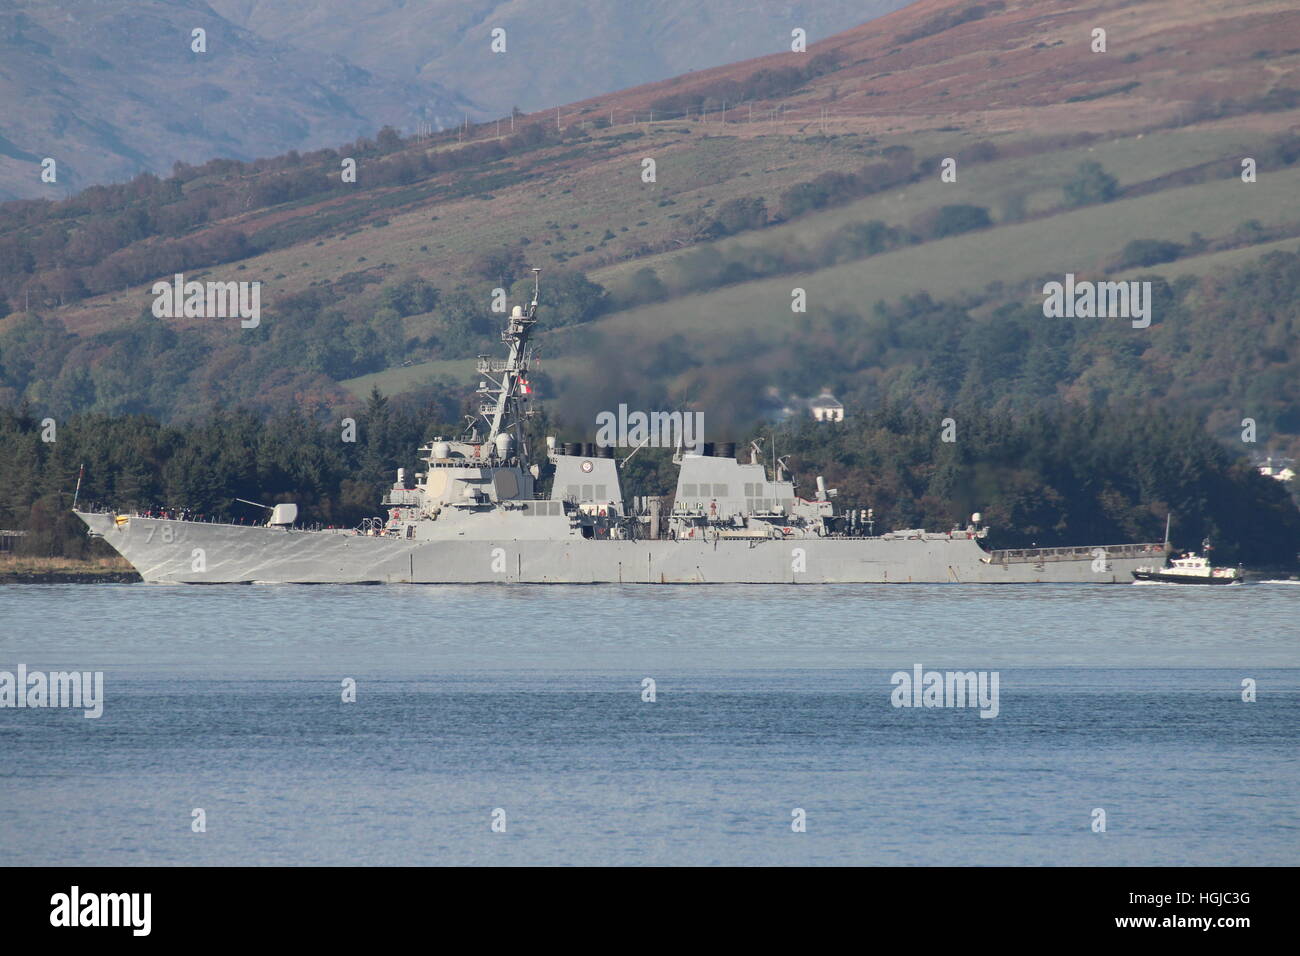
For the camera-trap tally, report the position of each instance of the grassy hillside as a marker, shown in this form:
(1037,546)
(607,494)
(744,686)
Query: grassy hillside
(1080,241)
(823,173)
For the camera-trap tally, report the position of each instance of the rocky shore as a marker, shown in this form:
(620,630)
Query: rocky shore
(17,570)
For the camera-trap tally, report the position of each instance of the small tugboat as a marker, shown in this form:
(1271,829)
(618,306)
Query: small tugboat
(1191,568)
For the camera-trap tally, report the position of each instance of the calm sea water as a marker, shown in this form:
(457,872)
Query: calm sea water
(529,699)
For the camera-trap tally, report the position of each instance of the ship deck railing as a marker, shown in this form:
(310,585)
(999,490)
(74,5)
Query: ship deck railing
(222,520)
(1038,555)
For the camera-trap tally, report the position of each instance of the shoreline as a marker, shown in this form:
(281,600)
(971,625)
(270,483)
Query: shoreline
(66,571)
(70,577)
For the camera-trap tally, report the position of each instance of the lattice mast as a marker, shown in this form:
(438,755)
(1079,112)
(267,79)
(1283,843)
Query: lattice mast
(506,382)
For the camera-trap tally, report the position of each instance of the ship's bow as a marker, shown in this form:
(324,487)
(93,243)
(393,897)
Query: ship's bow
(98,524)
(108,527)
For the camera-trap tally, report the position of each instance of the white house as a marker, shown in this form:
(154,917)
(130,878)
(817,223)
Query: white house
(826,408)
(1278,471)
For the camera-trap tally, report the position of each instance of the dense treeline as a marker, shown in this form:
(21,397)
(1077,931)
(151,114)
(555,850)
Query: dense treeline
(1223,348)
(135,462)
(1047,476)
(305,344)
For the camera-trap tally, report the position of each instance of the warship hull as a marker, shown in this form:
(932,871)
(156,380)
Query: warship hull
(195,552)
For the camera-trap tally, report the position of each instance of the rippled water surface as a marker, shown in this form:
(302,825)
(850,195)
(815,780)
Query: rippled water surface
(529,699)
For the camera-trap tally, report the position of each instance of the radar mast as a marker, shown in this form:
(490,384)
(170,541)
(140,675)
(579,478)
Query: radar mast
(506,383)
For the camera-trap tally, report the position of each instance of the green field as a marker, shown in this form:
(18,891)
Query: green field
(393,380)
(1079,241)
(1038,179)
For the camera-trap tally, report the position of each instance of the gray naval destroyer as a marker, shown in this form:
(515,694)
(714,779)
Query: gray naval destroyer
(477,515)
